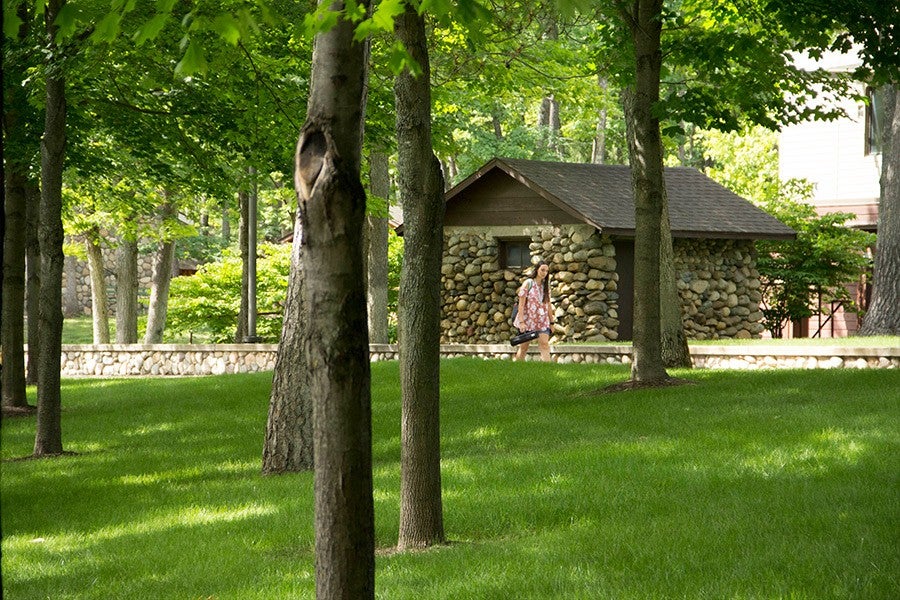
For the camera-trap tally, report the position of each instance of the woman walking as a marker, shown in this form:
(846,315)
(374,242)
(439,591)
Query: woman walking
(535,312)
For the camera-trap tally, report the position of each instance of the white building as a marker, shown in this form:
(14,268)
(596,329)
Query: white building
(842,160)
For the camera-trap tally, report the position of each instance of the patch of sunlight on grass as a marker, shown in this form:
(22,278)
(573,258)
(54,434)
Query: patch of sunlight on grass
(485,438)
(823,451)
(485,433)
(161,476)
(86,447)
(380,495)
(148,429)
(458,469)
(188,517)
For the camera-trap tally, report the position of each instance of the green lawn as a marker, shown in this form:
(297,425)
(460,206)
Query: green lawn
(80,330)
(747,485)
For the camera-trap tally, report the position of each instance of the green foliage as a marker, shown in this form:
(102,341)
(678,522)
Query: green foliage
(210,300)
(827,255)
(763,484)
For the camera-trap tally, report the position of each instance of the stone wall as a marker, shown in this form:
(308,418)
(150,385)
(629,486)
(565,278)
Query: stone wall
(717,280)
(719,288)
(122,360)
(79,298)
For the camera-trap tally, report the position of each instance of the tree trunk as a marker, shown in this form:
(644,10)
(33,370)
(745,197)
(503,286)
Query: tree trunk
(71,306)
(498,124)
(127,292)
(48,435)
(598,149)
(332,207)
(159,287)
(32,278)
(226,225)
(243,237)
(674,346)
(289,429)
(422,197)
(645,153)
(21,256)
(99,303)
(377,261)
(883,316)
(12,327)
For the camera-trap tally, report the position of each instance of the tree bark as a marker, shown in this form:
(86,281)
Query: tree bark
(127,292)
(20,147)
(598,148)
(71,306)
(12,328)
(243,237)
(159,287)
(883,316)
(422,197)
(377,261)
(289,429)
(674,346)
(332,207)
(226,225)
(645,153)
(32,278)
(48,435)
(99,303)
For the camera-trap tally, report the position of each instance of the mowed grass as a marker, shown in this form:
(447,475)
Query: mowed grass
(776,484)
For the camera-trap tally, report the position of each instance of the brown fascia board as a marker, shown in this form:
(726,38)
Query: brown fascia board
(737,235)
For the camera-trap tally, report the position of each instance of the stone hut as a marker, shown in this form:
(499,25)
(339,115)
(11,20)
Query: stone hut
(580,219)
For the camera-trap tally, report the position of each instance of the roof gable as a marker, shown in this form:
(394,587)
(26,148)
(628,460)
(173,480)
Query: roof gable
(601,196)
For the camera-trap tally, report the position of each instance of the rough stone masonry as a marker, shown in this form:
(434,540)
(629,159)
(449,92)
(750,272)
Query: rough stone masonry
(717,281)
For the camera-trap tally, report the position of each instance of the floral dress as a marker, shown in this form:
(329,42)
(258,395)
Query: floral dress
(535,316)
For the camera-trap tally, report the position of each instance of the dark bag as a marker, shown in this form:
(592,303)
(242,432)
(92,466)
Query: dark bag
(525,336)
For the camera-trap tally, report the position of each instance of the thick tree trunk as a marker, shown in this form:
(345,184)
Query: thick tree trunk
(243,236)
(289,429)
(422,197)
(674,346)
(99,303)
(883,316)
(32,278)
(332,207)
(159,286)
(377,259)
(646,153)
(12,327)
(21,146)
(127,292)
(48,435)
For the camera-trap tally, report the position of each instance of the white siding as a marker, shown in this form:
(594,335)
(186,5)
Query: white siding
(831,155)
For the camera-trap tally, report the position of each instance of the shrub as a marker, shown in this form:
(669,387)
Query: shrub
(210,300)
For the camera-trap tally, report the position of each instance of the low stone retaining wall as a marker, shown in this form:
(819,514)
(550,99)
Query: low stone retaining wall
(118,360)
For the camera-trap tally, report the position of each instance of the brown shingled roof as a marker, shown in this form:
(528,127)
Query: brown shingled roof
(602,196)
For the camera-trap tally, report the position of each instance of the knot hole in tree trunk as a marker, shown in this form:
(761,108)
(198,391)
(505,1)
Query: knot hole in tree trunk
(311,153)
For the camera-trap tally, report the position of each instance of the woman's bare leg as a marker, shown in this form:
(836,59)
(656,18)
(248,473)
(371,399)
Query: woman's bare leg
(520,353)
(544,343)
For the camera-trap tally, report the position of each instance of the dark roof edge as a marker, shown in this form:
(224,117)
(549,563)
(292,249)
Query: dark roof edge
(742,235)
